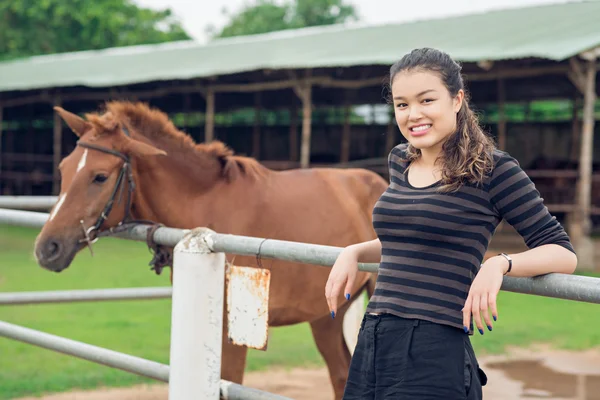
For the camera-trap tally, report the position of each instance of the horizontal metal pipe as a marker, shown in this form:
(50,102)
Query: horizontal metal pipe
(27,219)
(71,296)
(560,286)
(85,351)
(563,286)
(280,249)
(125,362)
(28,202)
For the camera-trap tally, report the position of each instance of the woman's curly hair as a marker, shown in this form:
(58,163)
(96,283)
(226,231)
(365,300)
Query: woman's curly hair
(467,154)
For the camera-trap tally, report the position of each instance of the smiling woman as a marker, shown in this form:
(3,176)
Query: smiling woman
(449,189)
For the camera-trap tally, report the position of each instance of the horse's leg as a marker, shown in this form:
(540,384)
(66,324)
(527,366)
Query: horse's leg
(329,338)
(233,362)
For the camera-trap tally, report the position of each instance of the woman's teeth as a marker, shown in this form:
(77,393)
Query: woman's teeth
(420,128)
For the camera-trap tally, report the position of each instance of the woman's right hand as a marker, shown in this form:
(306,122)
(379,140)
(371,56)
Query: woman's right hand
(342,276)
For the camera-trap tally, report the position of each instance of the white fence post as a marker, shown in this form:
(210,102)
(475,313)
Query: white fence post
(197,319)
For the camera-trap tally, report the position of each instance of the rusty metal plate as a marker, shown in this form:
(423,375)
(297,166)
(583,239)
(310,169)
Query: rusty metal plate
(248,306)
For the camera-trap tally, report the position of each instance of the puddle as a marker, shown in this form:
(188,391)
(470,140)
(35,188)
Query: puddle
(551,378)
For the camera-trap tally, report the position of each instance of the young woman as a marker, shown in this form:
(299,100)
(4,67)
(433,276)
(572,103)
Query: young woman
(449,189)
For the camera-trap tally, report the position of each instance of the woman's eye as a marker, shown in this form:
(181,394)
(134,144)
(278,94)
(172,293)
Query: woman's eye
(100,178)
(401,105)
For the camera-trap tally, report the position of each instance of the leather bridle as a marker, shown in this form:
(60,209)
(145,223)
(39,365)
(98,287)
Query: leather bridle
(162,256)
(91,233)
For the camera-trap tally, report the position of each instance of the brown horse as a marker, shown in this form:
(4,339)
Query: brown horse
(184,185)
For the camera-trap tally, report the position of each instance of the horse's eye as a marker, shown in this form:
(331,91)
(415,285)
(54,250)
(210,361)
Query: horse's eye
(100,178)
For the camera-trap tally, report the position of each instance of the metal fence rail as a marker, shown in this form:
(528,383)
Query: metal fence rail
(136,365)
(70,296)
(28,202)
(197,295)
(562,286)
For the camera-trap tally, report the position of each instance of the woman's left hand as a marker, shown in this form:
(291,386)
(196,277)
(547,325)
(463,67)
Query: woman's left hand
(483,293)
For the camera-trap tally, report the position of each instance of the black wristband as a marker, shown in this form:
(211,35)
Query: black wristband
(509,261)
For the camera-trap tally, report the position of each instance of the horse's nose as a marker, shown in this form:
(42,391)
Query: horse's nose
(50,251)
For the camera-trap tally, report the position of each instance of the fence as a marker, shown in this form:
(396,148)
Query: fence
(196,329)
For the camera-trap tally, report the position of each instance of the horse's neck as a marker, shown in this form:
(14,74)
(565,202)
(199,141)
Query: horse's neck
(170,189)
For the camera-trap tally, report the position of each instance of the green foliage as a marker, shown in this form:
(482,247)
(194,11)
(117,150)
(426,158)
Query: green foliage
(269,16)
(35,27)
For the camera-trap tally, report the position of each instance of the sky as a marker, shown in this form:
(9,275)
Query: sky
(196,15)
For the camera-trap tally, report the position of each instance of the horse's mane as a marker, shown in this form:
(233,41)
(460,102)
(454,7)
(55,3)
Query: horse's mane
(155,125)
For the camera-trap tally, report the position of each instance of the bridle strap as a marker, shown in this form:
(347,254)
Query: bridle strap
(103,149)
(125,171)
(162,257)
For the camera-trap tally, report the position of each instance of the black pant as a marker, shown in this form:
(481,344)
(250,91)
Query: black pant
(398,358)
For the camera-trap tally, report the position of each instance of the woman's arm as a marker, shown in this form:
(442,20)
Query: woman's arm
(541,260)
(366,252)
(515,198)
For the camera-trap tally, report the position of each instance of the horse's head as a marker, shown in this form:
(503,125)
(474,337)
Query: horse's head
(96,187)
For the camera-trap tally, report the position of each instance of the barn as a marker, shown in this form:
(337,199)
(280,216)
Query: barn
(317,96)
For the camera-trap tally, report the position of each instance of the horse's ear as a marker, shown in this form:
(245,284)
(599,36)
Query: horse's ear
(77,124)
(140,149)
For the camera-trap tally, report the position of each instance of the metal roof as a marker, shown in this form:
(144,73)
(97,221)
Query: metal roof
(553,32)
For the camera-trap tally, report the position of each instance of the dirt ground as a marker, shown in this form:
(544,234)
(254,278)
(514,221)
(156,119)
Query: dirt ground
(537,373)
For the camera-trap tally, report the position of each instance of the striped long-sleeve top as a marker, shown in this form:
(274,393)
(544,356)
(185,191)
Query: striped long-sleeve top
(433,243)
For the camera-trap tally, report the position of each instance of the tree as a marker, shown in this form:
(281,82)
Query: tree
(35,27)
(268,16)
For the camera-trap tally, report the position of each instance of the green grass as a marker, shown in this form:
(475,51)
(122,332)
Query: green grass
(142,328)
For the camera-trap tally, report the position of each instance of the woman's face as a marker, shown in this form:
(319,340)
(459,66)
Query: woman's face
(424,109)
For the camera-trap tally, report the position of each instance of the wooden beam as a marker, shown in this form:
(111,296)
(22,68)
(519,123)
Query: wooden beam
(304,91)
(345,148)
(501,114)
(57,149)
(592,54)
(325,81)
(187,101)
(576,75)
(293,132)
(209,121)
(581,223)
(575,129)
(256,128)
(587,145)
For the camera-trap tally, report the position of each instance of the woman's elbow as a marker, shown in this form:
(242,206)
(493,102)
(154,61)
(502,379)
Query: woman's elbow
(570,262)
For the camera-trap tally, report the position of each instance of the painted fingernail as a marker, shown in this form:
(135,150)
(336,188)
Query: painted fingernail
(495,318)
(347,296)
(332,314)
(466,329)
(481,331)
(489,328)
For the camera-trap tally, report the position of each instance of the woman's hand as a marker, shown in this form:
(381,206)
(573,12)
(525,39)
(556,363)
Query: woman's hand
(483,293)
(342,275)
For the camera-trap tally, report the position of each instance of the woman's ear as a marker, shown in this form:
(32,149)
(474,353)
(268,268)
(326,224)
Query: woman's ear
(458,100)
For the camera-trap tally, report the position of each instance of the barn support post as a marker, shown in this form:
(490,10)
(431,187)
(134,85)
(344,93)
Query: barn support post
(197,319)
(501,114)
(256,128)
(575,128)
(209,121)
(57,149)
(293,132)
(584,78)
(345,149)
(187,101)
(304,92)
